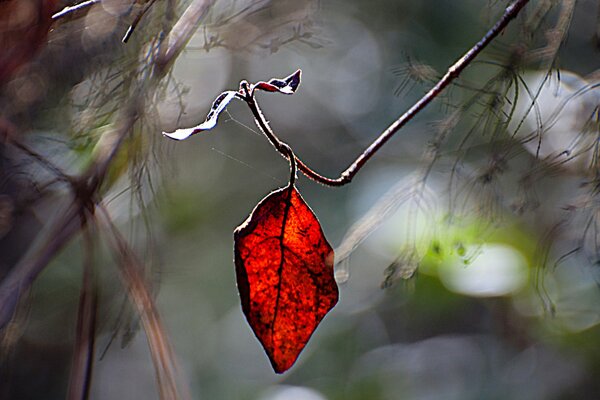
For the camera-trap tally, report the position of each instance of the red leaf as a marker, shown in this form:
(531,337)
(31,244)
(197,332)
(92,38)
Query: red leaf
(284,269)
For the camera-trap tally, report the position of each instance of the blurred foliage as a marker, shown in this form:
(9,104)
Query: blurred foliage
(503,165)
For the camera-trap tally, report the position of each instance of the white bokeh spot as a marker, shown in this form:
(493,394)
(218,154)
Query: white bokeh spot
(494,270)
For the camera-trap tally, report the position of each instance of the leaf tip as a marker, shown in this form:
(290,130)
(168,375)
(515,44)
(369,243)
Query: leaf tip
(179,134)
(217,107)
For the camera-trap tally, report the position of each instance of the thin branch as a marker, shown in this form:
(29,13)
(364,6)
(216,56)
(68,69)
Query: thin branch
(83,354)
(160,348)
(60,174)
(183,31)
(71,9)
(246,93)
(8,133)
(137,20)
(453,72)
(22,275)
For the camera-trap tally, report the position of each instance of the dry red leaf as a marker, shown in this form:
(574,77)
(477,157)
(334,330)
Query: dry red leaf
(284,268)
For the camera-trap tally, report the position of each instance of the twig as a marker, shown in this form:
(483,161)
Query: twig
(453,72)
(8,134)
(137,20)
(85,189)
(24,273)
(83,354)
(183,31)
(158,342)
(72,9)
(60,174)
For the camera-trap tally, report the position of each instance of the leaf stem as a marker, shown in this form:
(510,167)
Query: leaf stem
(247,94)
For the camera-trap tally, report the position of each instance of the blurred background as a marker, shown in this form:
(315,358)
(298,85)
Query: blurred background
(466,249)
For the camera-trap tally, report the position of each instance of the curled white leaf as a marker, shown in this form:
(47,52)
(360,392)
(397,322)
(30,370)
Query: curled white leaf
(217,107)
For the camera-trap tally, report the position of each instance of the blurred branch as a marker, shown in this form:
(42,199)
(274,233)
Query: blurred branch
(137,20)
(83,354)
(83,205)
(132,273)
(24,273)
(86,187)
(557,35)
(71,9)
(182,32)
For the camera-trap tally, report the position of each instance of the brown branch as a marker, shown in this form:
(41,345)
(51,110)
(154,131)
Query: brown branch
(453,72)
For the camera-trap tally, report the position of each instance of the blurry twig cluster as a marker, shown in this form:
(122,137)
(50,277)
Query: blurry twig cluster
(109,64)
(261,25)
(519,144)
(109,130)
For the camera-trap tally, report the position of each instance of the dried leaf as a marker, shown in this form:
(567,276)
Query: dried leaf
(287,85)
(218,106)
(284,268)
